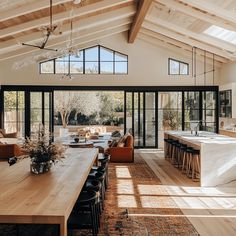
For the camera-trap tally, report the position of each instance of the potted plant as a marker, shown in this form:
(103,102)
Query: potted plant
(42,152)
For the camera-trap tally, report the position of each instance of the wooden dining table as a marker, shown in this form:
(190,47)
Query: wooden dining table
(48,198)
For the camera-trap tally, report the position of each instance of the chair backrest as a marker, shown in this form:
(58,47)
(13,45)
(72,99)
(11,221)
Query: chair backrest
(129,142)
(7,150)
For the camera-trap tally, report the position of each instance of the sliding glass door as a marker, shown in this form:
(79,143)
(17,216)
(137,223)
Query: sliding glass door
(141,118)
(40,111)
(169,113)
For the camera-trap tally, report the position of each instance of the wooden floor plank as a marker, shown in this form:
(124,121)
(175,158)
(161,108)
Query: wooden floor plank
(212,211)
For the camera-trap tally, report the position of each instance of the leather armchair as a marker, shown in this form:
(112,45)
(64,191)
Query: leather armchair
(123,154)
(10,150)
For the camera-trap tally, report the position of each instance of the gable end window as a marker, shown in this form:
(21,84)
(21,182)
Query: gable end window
(176,67)
(93,60)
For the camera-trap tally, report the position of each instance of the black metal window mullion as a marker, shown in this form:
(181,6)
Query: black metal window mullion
(114,61)
(51,104)
(200,110)
(183,112)
(42,107)
(139,119)
(84,61)
(1,109)
(156,119)
(125,101)
(27,114)
(17,110)
(133,115)
(99,60)
(144,119)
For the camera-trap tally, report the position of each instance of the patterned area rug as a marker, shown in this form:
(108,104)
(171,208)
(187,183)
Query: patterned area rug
(136,204)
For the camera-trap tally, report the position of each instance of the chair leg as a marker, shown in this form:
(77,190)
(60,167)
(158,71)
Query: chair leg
(183,162)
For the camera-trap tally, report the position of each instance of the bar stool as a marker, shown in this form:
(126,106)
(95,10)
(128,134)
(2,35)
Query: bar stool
(84,214)
(167,147)
(175,152)
(195,165)
(183,148)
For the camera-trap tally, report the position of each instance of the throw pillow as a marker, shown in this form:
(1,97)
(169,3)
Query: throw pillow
(121,145)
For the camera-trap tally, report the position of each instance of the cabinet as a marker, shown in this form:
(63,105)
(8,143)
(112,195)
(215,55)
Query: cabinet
(226,103)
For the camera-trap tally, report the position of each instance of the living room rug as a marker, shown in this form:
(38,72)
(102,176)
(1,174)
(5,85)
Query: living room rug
(135,204)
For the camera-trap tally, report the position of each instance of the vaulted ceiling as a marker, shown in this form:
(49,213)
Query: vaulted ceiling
(171,23)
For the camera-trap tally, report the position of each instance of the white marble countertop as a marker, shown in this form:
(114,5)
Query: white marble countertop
(217,153)
(203,137)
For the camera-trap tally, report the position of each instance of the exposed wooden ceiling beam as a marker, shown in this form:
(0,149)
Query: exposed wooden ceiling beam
(190,34)
(187,54)
(189,41)
(188,10)
(84,23)
(143,7)
(81,40)
(182,46)
(212,9)
(60,17)
(28,8)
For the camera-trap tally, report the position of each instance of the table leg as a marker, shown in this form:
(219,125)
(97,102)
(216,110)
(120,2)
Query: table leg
(63,228)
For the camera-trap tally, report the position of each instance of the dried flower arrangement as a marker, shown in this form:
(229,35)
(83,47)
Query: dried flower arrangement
(42,151)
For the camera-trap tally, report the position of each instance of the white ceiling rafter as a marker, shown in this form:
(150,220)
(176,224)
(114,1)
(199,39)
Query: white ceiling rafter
(186,53)
(185,47)
(188,10)
(200,37)
(190,41)
(212,9)
(60,17)
(61,41)
(28,8)
(84,23)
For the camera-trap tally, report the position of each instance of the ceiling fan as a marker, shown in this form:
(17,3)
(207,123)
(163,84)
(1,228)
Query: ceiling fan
(49,30)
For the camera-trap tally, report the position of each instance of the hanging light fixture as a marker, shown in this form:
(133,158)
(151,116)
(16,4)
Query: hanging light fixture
(48,31)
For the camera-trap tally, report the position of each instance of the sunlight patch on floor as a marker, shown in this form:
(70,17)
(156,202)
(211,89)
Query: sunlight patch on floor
(125,186)
(122,172)
(126,201)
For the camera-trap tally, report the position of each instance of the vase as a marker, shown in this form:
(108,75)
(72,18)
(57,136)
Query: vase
(40,168)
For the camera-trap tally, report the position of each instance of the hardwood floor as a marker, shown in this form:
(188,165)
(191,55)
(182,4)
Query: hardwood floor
(212,211)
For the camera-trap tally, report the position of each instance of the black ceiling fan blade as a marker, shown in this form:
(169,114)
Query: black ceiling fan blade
(40,47)
(50,49)
(31,45)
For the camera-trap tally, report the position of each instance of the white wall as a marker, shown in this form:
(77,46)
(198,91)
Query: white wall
(228,73)
(148,66)
(228,81)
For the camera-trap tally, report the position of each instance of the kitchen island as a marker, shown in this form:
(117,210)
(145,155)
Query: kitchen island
(217,155)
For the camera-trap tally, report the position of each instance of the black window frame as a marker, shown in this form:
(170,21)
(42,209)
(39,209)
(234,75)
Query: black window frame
(179,62)
(224,105)
(98,61)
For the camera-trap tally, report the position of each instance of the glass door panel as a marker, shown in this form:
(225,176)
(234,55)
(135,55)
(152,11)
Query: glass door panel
(208,110)
(141,118)
(40,111)
(191,109)
(169,113)
(36,112)
(150,120)
(129,113)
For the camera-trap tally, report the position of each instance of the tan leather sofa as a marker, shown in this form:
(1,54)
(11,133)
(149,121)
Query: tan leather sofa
(123,153)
